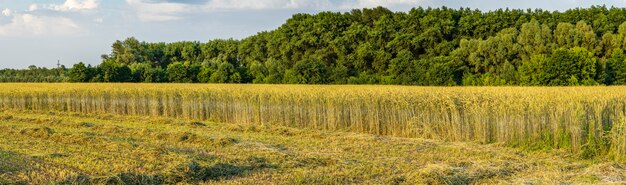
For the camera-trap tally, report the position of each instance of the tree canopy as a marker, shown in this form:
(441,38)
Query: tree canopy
(424,46)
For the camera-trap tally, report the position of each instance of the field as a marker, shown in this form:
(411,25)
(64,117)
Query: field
(291,134)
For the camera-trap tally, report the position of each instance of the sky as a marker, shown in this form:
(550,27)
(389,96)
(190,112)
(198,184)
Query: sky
(42,32)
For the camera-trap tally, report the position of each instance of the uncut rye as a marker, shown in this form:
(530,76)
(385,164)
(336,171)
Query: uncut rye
(589,121)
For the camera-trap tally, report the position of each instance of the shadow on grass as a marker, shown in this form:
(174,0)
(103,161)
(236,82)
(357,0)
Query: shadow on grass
(193,172)
(11,163)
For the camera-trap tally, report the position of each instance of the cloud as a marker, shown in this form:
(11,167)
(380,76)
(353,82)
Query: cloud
(49,19)
(29,24)
(265,4)
(350,4)
(158,11)
(7,12)
(69,5)
(33,7)
(168,10)
(33,22)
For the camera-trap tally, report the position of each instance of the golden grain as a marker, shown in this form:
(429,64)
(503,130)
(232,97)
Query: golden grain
(583,119)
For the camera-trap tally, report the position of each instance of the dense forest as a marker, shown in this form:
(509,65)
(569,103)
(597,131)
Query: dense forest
(424,46)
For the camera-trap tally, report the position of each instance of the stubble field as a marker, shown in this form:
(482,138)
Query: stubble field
(295,134)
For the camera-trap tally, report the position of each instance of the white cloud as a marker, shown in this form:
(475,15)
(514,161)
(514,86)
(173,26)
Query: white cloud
(168,10)
(165,11)
(33,23)
(148,10)
(76,5)
(28,24)
(33,7)
(374,3)
(69,5)
(7,12)
(264,4)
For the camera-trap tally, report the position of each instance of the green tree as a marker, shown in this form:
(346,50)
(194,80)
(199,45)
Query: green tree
(224,73)
(401,68)
(567,66)
(205,74)
(534,39)
(276,70)
(531,71)
(376,45)
(79,73)
(445,71)
(115,72)
(615,72)
(258,72)
(307,71)
(177,73)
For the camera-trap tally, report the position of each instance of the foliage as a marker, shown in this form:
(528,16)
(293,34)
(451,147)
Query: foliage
(114,72)
(79,73)
(378,46)
(308,71)
(35,74)
(574,66)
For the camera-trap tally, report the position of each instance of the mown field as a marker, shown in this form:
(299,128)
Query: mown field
(293,134)
(72,148)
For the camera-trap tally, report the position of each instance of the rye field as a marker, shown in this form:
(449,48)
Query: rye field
(310,134)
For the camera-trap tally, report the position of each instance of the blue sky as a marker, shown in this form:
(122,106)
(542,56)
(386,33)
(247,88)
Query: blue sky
(40,32)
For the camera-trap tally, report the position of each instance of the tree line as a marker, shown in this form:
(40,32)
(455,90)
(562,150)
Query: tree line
(424,46)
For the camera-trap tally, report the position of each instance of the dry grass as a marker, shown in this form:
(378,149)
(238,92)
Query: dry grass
(583,120)
(58,147)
